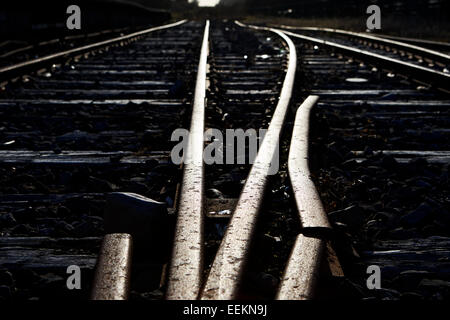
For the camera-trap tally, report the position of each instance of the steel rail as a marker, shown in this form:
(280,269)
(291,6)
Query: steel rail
(18,69)
(186,267)
(113,270)
(311,213)
(10,53)
(112,273)
(300,276)
(225,277)
(52,41)
(399,44)
(440,79)
(437,45)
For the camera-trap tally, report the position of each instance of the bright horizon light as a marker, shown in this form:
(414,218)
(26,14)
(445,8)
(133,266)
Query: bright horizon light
(208,3)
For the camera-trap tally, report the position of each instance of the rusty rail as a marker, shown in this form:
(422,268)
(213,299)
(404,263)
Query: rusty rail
(112,274)
(226,273)
(301,273)
(185,273)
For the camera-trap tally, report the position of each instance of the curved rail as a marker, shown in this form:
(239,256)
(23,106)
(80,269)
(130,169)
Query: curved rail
(311,213)
(422,74)
(226,273)
(187,256)
(300,276)
(18,69)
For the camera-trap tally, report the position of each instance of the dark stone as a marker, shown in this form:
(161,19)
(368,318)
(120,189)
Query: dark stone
(6,278)
(372,227)
(434,283)
(388,162)
(65,178)
(164,168)
(387,294)
(334,153)
(138,187)
(340,227)
(417,165)
(417,216)
(153,295)
(63,228)
(435,287)
(23,215)
(394,204)
(264,283)
(387,217)
(178,89)
(149,164)
(409,279)
(51,278)
(423,184)
(351,290)
(47,232)
(25,277)
(100,185)
(7,220)
(62,212)
(374,193)
(214,194)
(357,191)
(5,292)
(401,233)
(76,135)
(146,276)
(411,296)
(23,229)
(85,229)
(352,216)
(94,219)
(368,151)
(366,179)
(350,164)
(52,285)
(443,217)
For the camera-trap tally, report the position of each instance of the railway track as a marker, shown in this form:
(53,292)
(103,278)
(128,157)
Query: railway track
(88,177)
(436,45)
(430,66)
(16,51)
(76,132)
(375,137)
